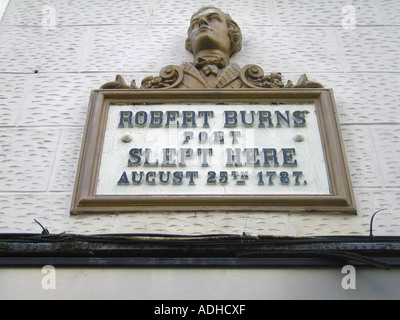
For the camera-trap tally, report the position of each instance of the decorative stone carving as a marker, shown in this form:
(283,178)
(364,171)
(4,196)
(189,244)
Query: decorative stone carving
(119,83)
(213,37)
(170,77)
(253,76)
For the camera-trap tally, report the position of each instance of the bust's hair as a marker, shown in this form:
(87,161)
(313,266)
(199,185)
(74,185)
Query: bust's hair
(235,34)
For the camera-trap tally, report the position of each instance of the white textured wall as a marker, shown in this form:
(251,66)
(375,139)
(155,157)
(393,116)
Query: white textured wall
(42,115)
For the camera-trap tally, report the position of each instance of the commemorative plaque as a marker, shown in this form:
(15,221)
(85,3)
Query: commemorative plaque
(211,136)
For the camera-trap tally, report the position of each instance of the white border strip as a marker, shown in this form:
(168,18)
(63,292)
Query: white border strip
(3,6)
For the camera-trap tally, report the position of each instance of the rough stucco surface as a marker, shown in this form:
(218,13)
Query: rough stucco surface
(42,115)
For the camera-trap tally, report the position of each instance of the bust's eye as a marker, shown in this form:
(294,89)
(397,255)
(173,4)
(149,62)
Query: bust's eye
(194,24)
(214,17)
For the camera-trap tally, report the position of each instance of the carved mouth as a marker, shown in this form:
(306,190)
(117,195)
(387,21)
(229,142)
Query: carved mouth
(204,29)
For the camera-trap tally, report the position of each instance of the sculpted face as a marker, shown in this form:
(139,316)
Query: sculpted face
(209,30)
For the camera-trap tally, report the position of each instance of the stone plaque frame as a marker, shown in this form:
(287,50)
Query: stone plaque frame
(85,199)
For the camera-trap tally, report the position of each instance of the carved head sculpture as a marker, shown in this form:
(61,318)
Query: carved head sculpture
(212,29)
(213,37)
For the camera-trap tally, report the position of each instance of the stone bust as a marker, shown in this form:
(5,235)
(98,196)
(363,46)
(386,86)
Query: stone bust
(211,29)
(213,37)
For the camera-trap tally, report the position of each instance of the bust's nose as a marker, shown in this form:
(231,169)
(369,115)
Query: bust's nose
(203,21)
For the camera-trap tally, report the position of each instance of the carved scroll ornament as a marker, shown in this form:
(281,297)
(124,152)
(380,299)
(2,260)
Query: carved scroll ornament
(251,76)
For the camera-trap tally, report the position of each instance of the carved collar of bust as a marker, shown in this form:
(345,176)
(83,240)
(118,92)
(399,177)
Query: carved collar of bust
(211,57)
